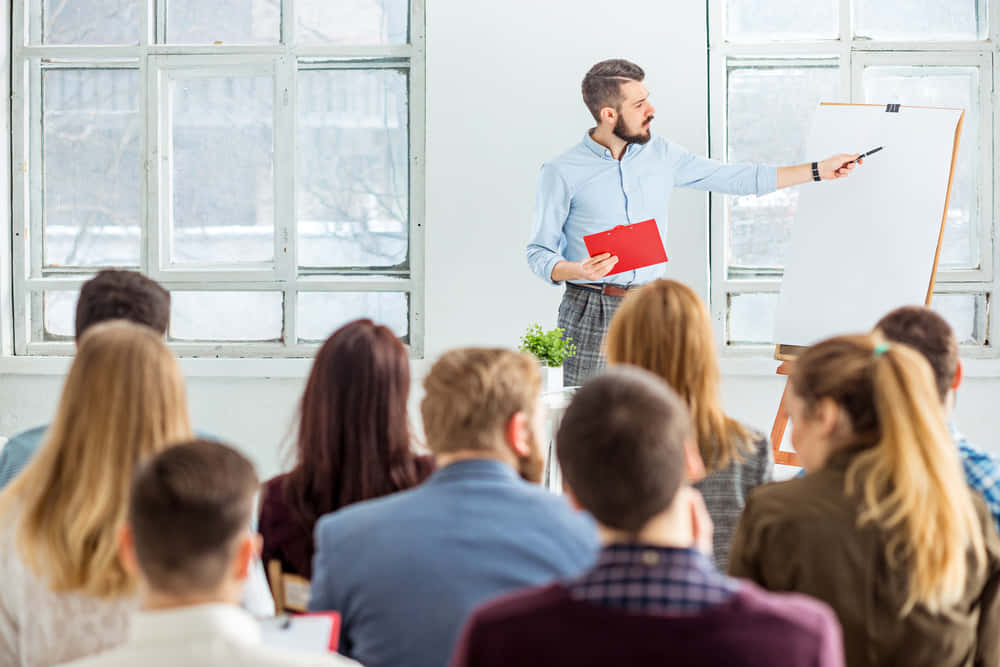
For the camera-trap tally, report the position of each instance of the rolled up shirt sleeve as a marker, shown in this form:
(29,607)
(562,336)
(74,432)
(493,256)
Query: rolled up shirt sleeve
(552,202)
(693,171)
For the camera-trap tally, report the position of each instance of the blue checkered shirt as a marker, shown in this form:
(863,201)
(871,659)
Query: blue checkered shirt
(655,580)
(982,471)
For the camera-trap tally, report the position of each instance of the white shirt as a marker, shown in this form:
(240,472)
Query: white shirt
(208,635)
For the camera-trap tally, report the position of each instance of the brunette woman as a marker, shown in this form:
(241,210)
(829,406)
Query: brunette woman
(353,441)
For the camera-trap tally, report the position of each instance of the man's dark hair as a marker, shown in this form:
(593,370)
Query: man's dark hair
(188,506)
(602,85)
(930,335)
(115,294)
(621,447)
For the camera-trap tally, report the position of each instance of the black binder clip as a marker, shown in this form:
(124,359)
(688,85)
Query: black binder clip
(892,108)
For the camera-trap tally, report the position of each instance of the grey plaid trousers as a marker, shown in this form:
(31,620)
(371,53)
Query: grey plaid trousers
(584,314)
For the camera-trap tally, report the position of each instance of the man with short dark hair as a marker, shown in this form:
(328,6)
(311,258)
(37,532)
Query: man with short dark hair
(112,294)
(187,542)
(626,448)
(405,570)
(930,335)
(621,174)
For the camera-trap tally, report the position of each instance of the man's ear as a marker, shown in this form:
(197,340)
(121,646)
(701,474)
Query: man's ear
(126,550)
(609,115)
(246,553)
(516,433)
(694,465)
(958,377)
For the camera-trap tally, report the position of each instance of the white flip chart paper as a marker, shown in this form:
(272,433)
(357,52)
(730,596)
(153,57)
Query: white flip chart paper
(865,244)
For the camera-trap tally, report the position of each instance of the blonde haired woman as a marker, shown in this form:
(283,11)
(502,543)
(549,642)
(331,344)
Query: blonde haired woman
(883,528)
(665,328)
(64,593)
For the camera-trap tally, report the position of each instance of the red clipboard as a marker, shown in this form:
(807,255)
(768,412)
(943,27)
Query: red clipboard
(635,246)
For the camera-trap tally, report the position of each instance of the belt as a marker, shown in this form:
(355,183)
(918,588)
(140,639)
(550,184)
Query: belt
(610,290)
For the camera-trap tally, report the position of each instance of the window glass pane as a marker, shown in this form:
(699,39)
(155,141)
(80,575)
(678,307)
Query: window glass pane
(226,316)
(93,22)
(90,158)
(751,318)
(943,87)
(353,177)
(920,19)
(223,170)
(351,21)
(59,314)
(768,115)
(764,20)
(967,315)
(319,314)
(224,21)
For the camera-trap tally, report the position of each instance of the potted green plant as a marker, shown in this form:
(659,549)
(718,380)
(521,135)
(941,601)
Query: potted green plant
(551,349)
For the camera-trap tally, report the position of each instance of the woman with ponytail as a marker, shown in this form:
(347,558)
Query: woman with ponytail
(883,528)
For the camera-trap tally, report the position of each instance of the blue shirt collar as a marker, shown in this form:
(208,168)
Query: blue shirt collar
(597,149)
(604,152)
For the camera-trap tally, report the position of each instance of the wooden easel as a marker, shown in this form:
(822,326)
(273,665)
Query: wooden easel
(787,354)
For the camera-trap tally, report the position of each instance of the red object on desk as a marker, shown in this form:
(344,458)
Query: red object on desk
(635,246)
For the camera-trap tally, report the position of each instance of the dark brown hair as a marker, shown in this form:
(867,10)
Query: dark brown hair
(354,437)
(470,393)
(188,506)
(115,294)
(602,85)
(621,447)
(930,335)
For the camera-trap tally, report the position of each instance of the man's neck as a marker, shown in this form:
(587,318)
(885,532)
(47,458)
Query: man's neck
(664,530)
(609,140)
(448,458)
(162,601)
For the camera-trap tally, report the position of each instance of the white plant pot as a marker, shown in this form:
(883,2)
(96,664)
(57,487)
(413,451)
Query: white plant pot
(552,379)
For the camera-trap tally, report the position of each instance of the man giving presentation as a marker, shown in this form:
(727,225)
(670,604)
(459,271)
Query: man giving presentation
(621,174)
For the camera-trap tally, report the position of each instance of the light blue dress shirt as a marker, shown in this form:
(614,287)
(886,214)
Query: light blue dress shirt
(585,190)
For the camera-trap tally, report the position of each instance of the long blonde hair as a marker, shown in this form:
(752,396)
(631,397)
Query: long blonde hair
(665,328)
(909,477)
(123,400)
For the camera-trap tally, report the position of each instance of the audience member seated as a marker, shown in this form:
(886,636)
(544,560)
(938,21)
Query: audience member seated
(929,334)
(64,593)
(666,328)
(188,544)
(406,570)
(626,448)
(884,527)
(110,295)
(353,441)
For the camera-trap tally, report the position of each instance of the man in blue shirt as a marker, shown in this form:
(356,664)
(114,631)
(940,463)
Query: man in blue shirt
(405,570)
(618,175)
(111,294)
(930,335)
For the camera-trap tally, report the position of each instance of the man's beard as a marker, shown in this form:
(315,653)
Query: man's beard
(621,132)
(531,467)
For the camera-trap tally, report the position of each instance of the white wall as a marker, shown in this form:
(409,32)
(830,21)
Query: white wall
(503,96)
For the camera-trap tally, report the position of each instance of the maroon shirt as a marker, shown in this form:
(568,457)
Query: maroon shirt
(286,537)
(753,628)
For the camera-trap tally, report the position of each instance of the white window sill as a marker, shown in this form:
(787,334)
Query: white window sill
(295,368)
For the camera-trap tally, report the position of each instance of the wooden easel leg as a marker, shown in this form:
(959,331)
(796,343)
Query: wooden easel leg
(780,422)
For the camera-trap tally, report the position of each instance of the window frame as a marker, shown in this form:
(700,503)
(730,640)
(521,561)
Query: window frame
(851,55)
(154,60)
